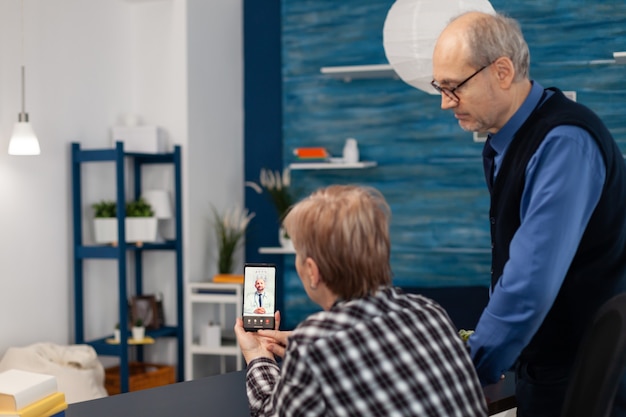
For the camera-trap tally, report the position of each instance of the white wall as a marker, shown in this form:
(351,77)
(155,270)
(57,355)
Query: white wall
(88,63)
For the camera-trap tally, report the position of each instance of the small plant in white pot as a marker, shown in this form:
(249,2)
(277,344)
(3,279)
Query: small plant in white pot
(105,221)
(116,334)
(139,331)
(140,223)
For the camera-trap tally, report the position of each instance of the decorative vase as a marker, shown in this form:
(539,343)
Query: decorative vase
(284,239)
(351,151)
(116,335)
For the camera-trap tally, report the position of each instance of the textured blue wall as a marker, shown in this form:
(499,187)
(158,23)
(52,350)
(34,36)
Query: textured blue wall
(428,169)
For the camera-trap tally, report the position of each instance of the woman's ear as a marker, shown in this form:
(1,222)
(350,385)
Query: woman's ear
(312,273)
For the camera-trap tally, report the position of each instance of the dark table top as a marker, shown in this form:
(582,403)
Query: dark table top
(221,395)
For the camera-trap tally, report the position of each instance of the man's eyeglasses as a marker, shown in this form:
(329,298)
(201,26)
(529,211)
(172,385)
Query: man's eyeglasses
(449,92)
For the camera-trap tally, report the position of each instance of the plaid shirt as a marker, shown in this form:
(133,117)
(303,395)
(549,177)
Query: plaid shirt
(391,354)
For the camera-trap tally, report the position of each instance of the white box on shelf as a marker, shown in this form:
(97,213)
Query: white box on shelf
(211,336)
(140,139)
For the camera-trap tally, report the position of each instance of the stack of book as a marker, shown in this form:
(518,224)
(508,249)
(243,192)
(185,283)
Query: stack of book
(30,394)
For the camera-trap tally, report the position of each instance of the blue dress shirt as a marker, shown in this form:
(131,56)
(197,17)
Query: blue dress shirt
(564,180)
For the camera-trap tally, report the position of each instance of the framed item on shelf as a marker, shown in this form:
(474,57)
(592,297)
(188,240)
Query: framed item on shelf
(148,309)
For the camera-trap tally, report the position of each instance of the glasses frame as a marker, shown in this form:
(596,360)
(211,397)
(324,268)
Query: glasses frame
(450,92)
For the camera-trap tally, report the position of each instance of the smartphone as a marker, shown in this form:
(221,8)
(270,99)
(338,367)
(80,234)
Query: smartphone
(259,296)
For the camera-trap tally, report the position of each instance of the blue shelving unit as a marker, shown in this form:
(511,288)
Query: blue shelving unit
(119,253)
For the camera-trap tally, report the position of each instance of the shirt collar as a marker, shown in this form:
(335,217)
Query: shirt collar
(501,140)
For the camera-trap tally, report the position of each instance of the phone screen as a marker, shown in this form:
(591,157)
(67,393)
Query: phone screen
(259,296)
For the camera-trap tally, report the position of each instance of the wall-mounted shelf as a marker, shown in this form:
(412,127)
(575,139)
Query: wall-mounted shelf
(278,250)
(353,72)
(332,165)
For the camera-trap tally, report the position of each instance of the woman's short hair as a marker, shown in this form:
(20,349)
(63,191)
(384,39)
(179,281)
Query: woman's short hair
(345,230)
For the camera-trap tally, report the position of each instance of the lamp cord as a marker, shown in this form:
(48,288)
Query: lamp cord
(23,68)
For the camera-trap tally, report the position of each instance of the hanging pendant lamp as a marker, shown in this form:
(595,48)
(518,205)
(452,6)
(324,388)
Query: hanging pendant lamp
(23,140)
(411,30)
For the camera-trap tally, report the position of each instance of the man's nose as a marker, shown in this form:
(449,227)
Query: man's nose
(447,102)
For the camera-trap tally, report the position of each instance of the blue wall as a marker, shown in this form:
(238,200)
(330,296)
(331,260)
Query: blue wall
(428,169)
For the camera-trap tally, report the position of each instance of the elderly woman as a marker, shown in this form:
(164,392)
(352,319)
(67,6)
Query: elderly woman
(373,350)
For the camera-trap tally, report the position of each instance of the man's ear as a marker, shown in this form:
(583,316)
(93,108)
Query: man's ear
(505,71)
(313,272)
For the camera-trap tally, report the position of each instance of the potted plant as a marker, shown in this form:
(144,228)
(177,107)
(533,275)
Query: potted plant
(230,228)
(140,223)
(105,221)
(278,188)
(116,333)
(139,331)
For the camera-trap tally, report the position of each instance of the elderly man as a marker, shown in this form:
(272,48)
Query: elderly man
(558,201)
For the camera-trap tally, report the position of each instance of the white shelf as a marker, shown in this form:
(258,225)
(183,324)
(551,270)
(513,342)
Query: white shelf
(332,165)
(353,72)
(221,297)
(232,350)
(276,250)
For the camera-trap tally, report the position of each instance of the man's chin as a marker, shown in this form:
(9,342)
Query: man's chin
(469,126)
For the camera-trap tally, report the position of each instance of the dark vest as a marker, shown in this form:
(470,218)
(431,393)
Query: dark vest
(598,269)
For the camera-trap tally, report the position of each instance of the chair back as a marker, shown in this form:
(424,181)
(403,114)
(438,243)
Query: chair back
(600,363)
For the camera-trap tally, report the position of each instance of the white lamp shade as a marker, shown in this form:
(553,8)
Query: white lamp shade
(160,202)
(23,140)
(411,30)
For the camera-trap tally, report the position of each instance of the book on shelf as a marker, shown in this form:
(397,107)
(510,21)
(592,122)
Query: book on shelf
(228,279)
(311,153)
(20,388)
(48,406)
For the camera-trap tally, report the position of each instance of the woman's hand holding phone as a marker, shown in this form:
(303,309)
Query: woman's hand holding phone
(261,344)
(275,340)
(251,344)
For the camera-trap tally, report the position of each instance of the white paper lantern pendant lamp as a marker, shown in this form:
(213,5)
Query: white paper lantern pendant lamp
(411,30)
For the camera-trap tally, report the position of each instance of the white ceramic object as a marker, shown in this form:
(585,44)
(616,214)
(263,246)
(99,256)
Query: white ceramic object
(351,151)
(211,335)
(139,333)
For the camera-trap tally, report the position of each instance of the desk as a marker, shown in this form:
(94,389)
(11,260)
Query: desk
(221,395)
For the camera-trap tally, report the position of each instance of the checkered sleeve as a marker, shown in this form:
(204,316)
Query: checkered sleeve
(388,354)
(292,392)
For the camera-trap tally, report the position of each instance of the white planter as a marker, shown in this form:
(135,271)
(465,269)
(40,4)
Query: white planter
(139,333)
(141,229)
(138,229)
(105,230)
(211,336)
(116,335)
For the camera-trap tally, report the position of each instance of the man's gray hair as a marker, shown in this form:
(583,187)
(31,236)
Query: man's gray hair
(495,36)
